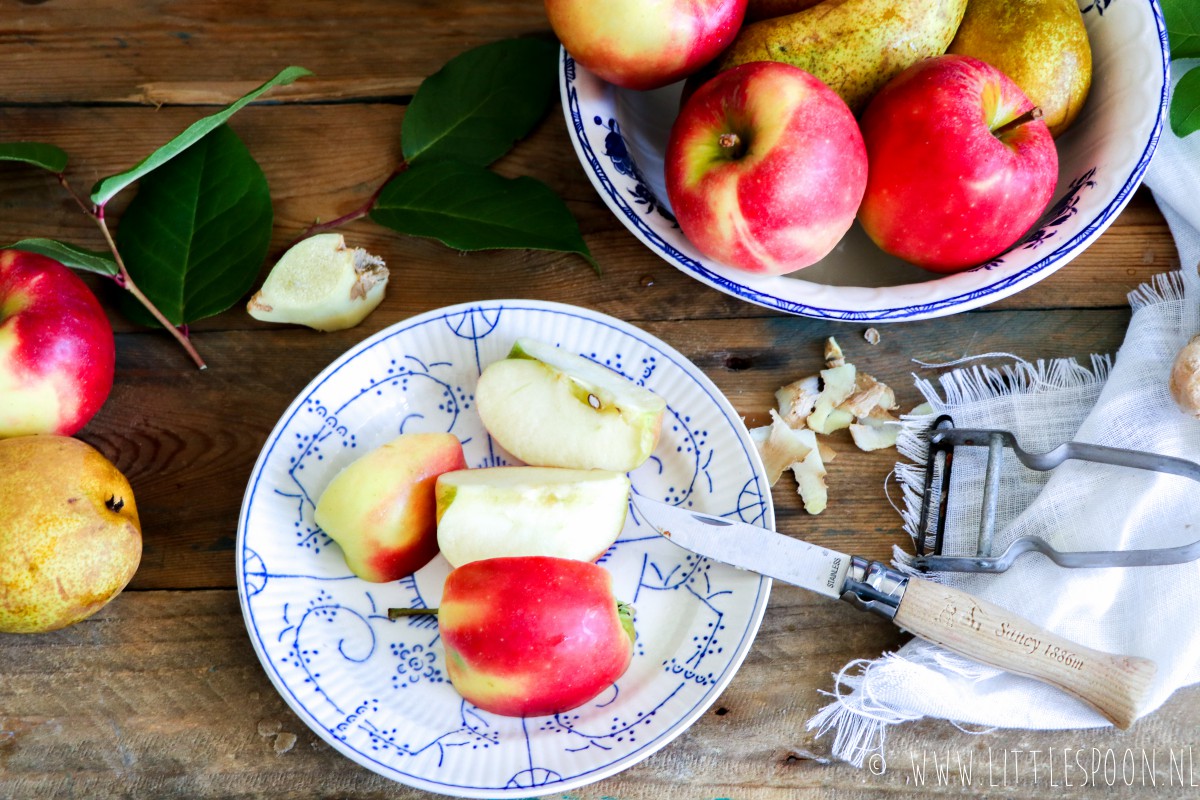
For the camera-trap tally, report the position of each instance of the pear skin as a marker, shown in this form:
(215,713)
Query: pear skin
(70,536)
(1041,44)
(854,46)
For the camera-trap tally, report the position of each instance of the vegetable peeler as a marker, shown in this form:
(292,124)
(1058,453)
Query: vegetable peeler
(945,438)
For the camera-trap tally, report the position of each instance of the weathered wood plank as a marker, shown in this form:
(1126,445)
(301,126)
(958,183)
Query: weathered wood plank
(160,695)
(207,51)
(187,440)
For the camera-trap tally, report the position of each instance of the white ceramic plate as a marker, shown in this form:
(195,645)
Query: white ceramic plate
(376,690)
(620,137)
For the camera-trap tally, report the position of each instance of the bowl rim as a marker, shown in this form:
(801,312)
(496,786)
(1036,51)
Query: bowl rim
(1004,286)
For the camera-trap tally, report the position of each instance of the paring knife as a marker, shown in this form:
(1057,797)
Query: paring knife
(1112,684)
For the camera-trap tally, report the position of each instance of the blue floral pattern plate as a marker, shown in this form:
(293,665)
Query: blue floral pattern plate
(620,137)
(375,689)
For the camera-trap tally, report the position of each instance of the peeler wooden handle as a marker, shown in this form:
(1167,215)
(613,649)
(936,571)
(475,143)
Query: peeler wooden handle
(1113,685)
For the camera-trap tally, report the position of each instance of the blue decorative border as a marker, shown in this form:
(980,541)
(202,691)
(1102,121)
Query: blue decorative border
(636,223)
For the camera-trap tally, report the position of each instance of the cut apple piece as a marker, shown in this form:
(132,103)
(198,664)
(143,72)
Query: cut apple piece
(780,446)
(551,408)
(321,283)
(381,510)
(839,384)
(499,512)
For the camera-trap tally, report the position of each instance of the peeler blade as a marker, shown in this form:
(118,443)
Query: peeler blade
(942,443)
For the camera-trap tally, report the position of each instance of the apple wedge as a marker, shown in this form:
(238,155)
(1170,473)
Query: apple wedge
(380,509)
(551,408)
(529,511)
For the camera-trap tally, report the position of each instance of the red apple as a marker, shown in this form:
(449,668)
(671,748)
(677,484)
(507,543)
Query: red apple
(959,169)
(533,635)
(381,508)
(645,44)
(765,168)
(56,347)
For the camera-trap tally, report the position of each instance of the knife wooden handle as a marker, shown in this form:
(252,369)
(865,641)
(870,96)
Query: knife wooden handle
(1113,685)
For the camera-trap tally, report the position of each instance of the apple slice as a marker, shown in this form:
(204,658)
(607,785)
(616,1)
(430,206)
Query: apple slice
(381,509)
(529,511)
(551,408)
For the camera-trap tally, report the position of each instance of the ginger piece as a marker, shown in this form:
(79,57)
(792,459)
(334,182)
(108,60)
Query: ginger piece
(780,446)
(839,383)
(810,476)
(833,354)
(797,400)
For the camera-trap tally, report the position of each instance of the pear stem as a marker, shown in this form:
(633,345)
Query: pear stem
(1032,114)
(397,613)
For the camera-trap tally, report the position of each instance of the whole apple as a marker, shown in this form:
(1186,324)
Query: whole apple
(645,44)
(960,164)
(533,635)
(765,168)
(70,537)
(56,347)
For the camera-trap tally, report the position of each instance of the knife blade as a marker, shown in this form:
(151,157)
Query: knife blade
(1114,685)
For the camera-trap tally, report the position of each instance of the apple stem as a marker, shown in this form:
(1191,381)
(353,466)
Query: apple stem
(358,213)
(729,141)
(397,613)
(1032,114)
(122,277)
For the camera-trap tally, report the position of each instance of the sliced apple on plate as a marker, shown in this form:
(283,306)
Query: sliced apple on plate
(552,408)
(529,511)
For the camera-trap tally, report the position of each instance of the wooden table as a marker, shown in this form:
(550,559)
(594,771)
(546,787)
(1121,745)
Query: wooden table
(160,694)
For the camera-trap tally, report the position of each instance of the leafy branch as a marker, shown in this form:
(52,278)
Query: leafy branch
(1183,28)
(462,119)
(236,188)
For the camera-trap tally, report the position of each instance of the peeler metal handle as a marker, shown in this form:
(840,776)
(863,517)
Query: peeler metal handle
(942,443)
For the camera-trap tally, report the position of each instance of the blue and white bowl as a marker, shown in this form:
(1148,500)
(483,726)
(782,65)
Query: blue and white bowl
(621,135)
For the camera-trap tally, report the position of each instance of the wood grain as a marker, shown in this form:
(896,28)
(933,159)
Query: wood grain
(160,695)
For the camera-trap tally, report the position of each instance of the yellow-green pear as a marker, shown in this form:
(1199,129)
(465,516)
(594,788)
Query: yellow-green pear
(70,538)
(1041,44)
(854,46)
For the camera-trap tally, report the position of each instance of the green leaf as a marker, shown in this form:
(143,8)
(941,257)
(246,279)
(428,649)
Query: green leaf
(104,191)
(69,255)
(46,156)
(1183,27)
(195,236)
(471,208)
(481,102)
(1185,104)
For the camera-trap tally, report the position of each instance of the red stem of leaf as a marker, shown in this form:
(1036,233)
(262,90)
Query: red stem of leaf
(358,213)
(123,279)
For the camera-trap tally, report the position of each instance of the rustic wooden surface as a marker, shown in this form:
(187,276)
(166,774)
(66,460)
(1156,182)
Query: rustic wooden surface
(161,695)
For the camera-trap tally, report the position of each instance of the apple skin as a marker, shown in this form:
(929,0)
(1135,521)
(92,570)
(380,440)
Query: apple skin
(534,635)
(944,192)
(381,510)
(70,537)
(645,44)
(783,195)
(57,353)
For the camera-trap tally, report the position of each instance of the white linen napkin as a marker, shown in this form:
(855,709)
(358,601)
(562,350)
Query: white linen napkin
(1148,611)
